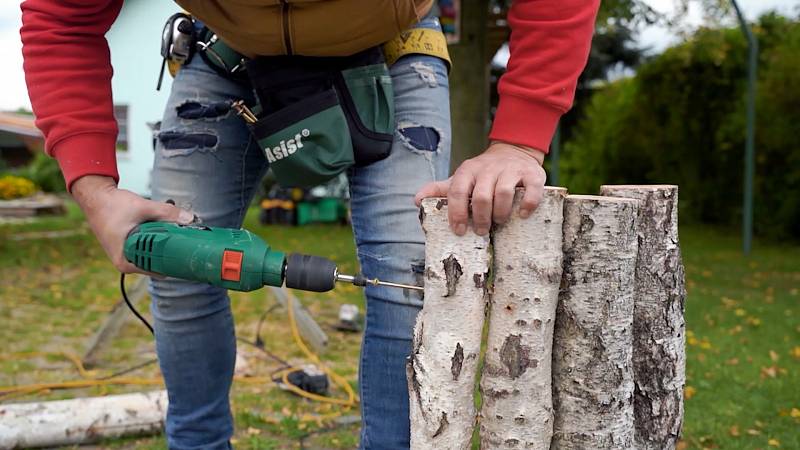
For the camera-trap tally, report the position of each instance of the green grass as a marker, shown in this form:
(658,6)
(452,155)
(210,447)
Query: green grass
(743,353)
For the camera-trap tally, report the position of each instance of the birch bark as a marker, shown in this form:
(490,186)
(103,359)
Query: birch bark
(592,368)
(447,336)
(81,420)
(659,353)
(517,410)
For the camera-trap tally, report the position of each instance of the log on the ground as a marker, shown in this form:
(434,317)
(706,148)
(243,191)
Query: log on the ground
(81,420)
(447,336)
(592,345)
(659,355)
(517,410)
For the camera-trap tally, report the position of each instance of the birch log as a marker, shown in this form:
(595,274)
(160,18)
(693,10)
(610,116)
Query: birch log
(592,344)
(447,336)
(81,420)
(517,410)
(659,354)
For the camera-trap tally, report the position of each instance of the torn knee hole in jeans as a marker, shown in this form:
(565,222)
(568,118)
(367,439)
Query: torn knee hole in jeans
(193,109)
(418,137)
(185,142)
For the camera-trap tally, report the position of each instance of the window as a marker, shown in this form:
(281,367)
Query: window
(121,114)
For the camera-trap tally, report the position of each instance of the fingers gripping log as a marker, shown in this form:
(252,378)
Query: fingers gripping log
(592,370)
(447,336)
(517,407)
(659,356)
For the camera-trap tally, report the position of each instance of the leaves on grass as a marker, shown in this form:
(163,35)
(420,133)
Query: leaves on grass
(688,392)
(734,431)
(774,443)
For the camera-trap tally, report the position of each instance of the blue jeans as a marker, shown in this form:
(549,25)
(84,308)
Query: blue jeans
(206,161)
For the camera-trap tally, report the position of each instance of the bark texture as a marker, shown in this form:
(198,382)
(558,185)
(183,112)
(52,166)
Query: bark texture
(81,420)
(592,346)
(447,336)
(517,410)
(659,353)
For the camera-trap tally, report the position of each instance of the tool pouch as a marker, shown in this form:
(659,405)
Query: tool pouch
(320,115)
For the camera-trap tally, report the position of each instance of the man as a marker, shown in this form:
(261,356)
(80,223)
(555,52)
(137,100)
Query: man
(68,74)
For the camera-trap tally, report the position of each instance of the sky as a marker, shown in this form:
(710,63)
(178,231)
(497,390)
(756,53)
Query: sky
(13,93)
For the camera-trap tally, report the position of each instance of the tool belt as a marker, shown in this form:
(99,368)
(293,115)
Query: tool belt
(318,116)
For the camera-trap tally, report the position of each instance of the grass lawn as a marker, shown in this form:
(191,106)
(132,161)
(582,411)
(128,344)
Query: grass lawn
(743,363)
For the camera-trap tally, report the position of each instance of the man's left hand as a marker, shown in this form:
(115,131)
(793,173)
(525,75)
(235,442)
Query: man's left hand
(489,180)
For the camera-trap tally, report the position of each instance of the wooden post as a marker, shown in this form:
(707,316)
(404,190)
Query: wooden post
(592,368)
(447,336)
(517,409)
(659,354)
(81,420)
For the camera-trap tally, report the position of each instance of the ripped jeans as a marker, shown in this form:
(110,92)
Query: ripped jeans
(206,161)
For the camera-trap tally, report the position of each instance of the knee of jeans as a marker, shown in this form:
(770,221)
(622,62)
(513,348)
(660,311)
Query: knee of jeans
(176,300)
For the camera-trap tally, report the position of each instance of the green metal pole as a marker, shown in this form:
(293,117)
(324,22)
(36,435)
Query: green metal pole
(749,152)
(555,149)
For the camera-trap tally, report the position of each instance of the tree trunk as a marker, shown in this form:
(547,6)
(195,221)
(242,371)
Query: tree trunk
(659,354)
(447,336)
(81,420)
(517,409)
(592,346)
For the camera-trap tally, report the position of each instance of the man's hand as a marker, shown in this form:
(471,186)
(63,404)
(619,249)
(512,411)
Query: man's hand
(112,213)
(490,180)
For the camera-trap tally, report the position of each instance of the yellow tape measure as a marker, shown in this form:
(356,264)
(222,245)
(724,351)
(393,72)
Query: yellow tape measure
(418,40)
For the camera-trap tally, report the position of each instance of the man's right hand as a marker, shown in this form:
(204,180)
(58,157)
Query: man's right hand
(112,213)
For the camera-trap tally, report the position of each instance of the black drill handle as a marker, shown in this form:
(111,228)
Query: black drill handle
(310,273)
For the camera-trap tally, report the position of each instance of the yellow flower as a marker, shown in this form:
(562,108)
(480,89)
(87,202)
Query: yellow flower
(12,187)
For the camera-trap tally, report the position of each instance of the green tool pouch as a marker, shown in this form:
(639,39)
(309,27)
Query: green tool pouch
(320,115)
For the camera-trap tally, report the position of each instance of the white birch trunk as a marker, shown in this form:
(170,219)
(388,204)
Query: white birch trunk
(592,368)
(447,336)
(81,420)
(659,354)
(517,410)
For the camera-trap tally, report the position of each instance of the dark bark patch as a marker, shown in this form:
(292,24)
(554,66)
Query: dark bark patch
(493,394)
(452,272)
(430,274)
(508,267)
(441,204)
(512,442)
(480,283)
(537,324)
(521,323)
(519,420)
(499,417)
(457,361)
(421,214)
(514,356)
(443,423)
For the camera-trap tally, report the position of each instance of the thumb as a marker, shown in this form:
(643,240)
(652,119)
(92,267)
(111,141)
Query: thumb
(433,189)
(168,213)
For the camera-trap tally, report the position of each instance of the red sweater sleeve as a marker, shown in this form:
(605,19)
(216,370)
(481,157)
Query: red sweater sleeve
(68,71)
(550,41)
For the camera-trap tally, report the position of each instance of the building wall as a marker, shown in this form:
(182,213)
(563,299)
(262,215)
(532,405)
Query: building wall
(135,40)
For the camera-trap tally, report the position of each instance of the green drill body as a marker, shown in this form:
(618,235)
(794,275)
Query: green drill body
(229,258)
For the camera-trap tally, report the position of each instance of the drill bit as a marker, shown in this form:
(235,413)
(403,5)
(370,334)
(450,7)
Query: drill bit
(361,280)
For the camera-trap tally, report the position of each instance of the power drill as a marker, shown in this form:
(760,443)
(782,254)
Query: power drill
(232,258)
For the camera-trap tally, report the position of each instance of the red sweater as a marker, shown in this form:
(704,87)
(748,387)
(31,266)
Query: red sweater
(68,72)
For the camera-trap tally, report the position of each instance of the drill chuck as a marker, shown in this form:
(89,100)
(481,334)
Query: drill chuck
(310,273)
